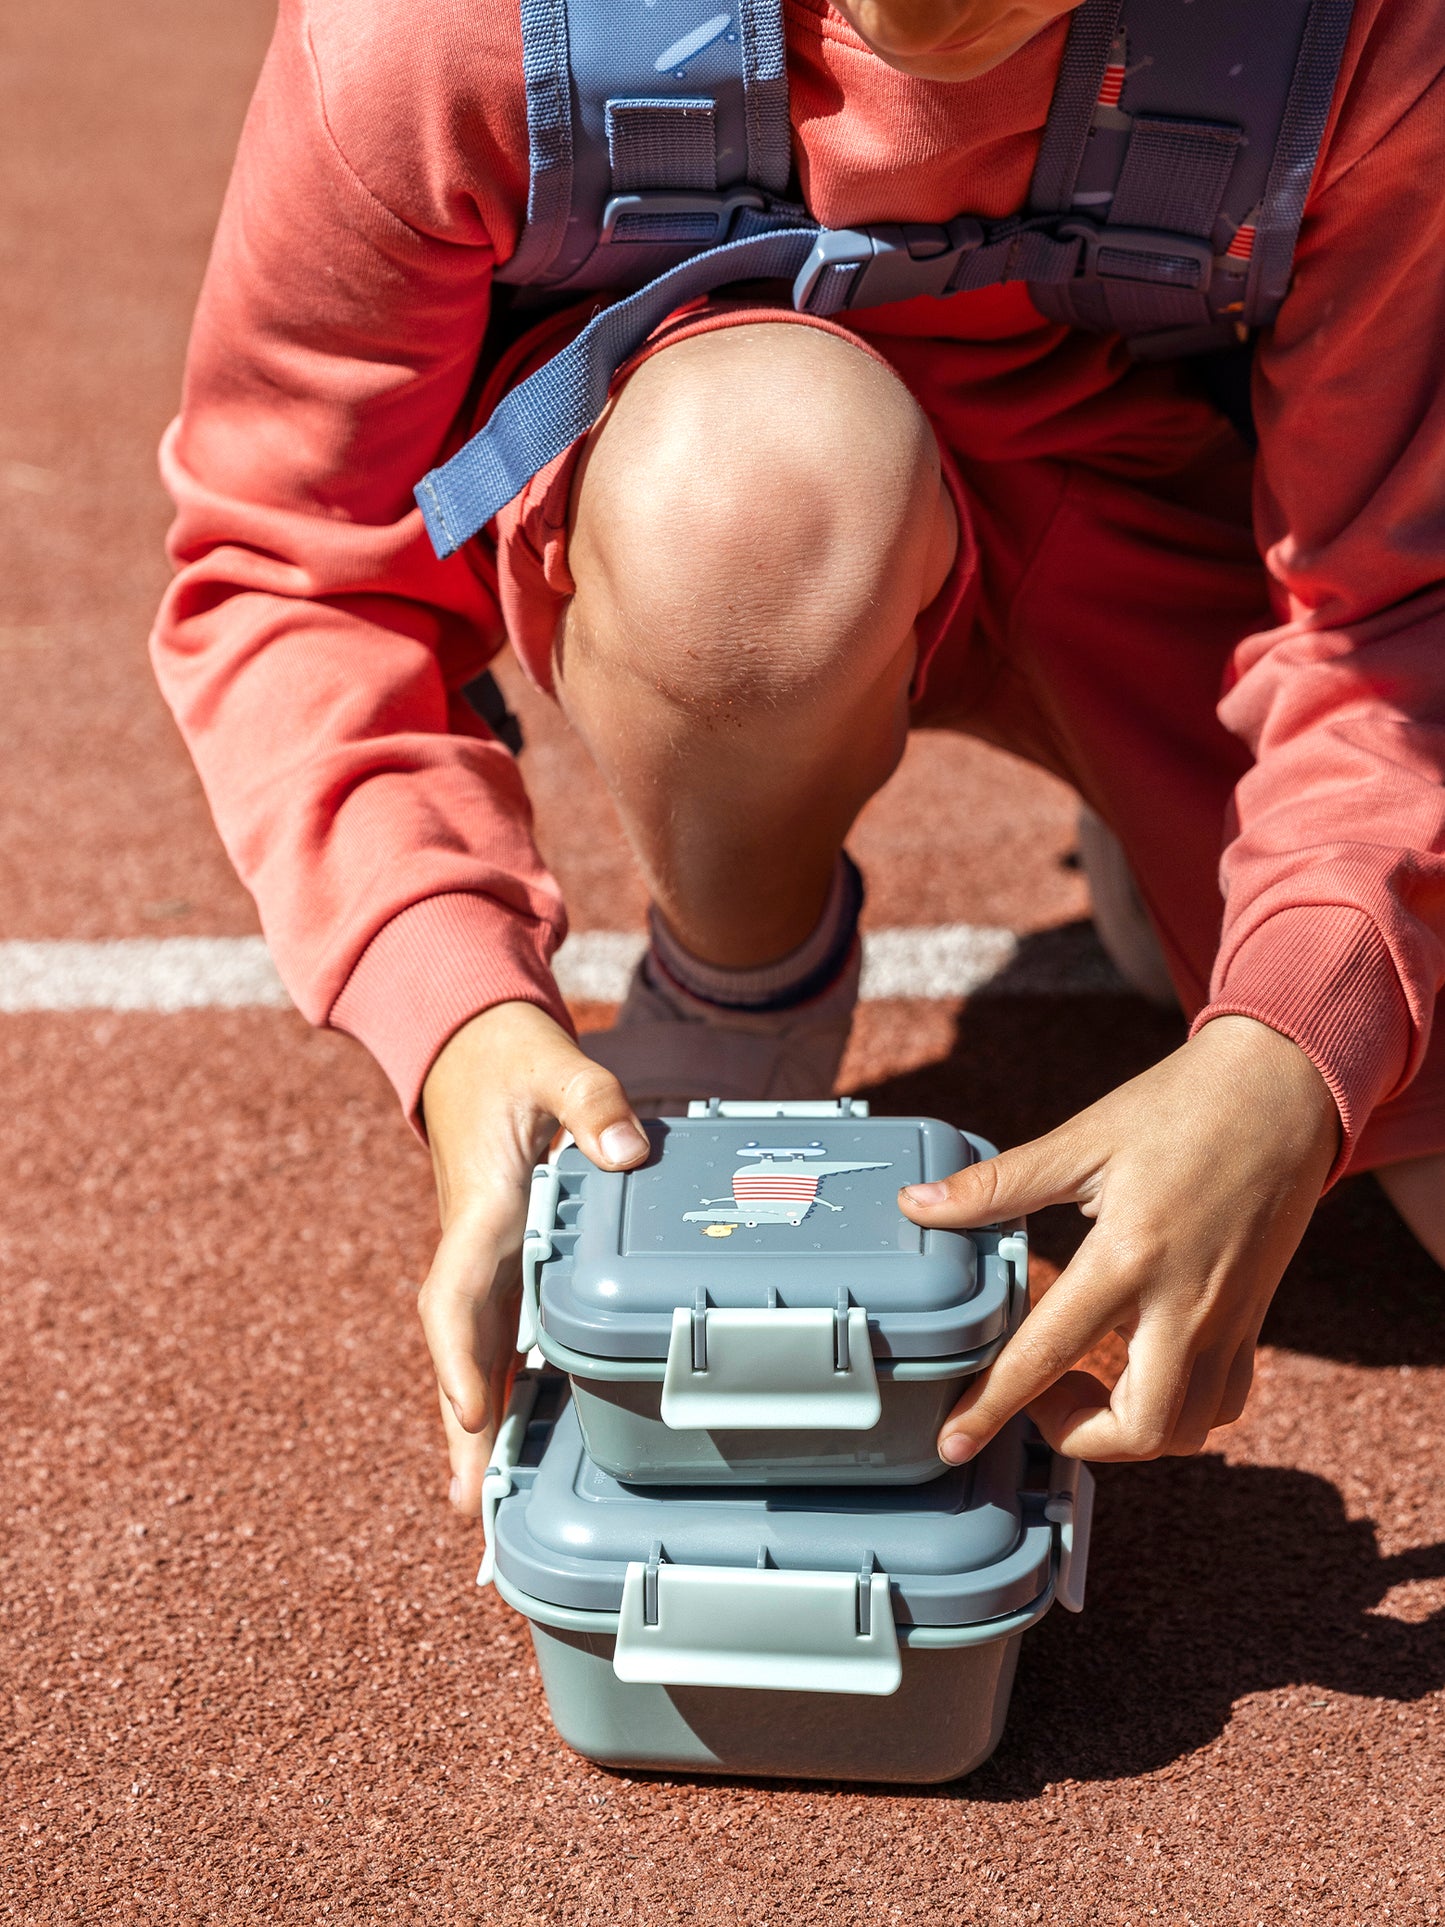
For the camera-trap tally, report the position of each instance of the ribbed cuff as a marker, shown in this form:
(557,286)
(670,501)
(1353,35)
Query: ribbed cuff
(1323,976)
(437,964)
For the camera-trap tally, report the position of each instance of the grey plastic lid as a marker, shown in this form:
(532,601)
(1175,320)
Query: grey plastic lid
(968,1546)
(752,1212)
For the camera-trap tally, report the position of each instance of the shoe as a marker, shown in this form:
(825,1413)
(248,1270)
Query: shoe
(1120,919)
(669,1048)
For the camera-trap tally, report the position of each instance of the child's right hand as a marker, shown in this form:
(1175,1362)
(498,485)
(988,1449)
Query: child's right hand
(492,1101)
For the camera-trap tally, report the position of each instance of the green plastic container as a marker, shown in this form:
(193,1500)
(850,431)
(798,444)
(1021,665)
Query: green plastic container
(861,1633)
(751,1304)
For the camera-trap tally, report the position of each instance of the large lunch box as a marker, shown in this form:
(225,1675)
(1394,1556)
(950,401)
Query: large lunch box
(751,1303)
(866,1633)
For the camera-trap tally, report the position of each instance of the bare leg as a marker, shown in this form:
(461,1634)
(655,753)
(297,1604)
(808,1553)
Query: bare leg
(1417,1191)
(757,523)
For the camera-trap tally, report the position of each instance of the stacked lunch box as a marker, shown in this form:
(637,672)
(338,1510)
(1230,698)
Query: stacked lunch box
(721,1509)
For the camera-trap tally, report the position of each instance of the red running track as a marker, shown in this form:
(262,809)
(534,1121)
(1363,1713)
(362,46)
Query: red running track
(245,1672)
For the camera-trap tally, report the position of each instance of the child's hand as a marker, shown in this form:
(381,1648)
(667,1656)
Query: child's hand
(492,1100)
(1201,1176)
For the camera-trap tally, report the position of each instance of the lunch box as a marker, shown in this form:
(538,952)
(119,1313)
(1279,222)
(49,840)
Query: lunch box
(750,1304)
(861,1633)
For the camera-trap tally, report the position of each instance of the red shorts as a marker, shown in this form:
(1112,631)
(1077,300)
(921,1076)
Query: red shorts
(1087,624)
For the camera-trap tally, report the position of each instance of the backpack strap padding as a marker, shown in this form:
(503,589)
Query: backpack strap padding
(1306,114)
(649,127)
(1189,183)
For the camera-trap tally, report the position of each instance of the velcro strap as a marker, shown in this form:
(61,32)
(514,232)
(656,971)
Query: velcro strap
(662,143)
(1174,175)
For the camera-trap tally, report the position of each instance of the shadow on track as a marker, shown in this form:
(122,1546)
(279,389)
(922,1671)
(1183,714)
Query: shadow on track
(1216,1582)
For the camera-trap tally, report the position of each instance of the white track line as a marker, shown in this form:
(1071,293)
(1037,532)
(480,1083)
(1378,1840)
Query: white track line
(236,973)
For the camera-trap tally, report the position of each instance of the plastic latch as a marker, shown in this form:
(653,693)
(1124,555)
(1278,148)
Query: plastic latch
(498,1478)
(770,1370)
(787,1107)
(891,261)
(1150,255)
(801,1632)
(536,1248)
(1070,1509)
(1013,1248)
(662,215)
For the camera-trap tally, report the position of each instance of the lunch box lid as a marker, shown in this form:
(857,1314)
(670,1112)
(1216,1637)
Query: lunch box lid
(968,1546)
(751,1207)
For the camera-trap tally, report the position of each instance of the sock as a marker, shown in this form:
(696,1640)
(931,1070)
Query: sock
(804,973)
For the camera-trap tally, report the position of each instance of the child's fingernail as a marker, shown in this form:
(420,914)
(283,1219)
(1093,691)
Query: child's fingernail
(454,1491)
(620,1142)
(926,1193)
(957,1449)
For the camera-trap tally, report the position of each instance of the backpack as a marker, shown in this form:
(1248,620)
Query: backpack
(1164,207)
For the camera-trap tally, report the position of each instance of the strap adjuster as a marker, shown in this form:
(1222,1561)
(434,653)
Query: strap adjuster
(661,216)
(1148,255)
(866,267)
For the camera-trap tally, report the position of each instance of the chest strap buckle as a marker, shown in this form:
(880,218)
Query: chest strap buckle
(867,266)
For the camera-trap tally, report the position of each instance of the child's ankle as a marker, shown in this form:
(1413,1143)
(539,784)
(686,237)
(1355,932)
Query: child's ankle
(803,974)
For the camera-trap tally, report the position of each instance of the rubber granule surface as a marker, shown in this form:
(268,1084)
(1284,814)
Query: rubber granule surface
(245,1672)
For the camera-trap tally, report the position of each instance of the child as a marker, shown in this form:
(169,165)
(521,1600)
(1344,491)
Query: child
(787,540)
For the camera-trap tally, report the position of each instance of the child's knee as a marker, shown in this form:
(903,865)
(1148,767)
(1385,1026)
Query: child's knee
(760,506)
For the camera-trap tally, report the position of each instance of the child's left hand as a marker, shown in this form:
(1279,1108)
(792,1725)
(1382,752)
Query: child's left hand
(1201,1176)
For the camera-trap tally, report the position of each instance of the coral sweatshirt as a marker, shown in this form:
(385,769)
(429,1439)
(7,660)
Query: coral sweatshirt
(311,645)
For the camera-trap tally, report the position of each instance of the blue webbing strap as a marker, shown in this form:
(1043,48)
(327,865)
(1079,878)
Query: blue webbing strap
(856,268)
(551,408)
(1306,112)
(1086,53)
(546,70)
(765,94)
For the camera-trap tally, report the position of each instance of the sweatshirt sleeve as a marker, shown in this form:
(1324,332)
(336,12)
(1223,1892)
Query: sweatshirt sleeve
(1334,879)
(311,646)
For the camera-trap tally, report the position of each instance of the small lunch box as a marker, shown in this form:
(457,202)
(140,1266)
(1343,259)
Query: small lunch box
(861,1633)
(751,1304)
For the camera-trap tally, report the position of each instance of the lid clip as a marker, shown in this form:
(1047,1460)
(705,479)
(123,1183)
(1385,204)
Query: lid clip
(649,1584)
(738,1626)
(834,1107)
(842,1348)
(699,1329)
(537,1247)
(497,1480)
(1070,1510)
(771,1368)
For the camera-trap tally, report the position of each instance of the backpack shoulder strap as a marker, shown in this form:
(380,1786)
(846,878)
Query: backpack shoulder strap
(649,129)
(1165,207)
(1182,141)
